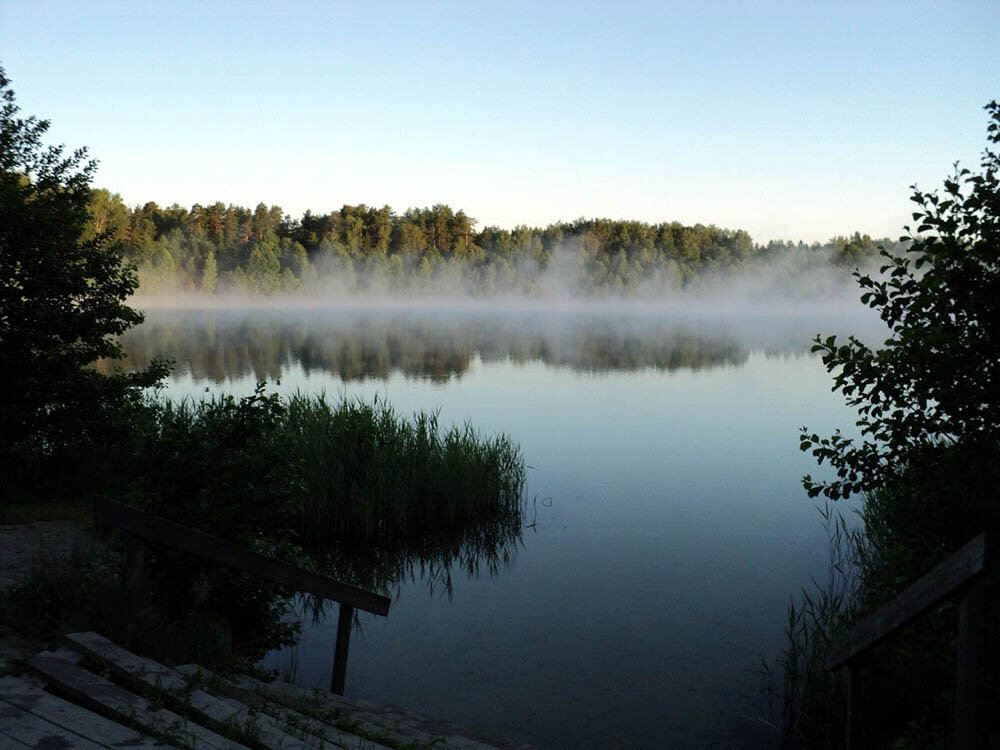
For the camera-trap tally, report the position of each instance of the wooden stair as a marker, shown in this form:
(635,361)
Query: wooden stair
(94,694)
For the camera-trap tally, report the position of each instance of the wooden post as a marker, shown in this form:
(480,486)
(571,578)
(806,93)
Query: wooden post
(851,726)
(344,623)
(970,634)
(135,559)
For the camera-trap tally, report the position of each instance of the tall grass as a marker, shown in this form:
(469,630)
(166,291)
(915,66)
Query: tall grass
(375,479)
(323,473)
(810,698)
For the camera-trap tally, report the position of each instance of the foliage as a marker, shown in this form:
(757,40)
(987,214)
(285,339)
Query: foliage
(61,297)
(928,461)
(363,249)
(351,484)
(936,381)
(221,464)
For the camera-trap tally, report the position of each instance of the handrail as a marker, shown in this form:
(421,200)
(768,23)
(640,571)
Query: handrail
(146,527)
(963,569)
(958,569)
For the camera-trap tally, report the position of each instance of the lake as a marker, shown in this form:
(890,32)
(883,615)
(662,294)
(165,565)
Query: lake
(666,527)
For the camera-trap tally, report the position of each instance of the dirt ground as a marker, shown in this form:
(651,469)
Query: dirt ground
(21,548)
(23,545)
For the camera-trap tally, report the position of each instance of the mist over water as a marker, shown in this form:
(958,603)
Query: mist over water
(221,339)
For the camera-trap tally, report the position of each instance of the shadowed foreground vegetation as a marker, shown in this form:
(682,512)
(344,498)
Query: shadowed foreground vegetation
(928,468)
(347,487)
(347,473)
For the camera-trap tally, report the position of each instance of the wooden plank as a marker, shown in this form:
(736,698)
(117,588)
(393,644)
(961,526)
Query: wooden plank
(225,716)
(19,725)
(158,530)
(29,695)
(9,743)
(402,725)
(961,567)
(59,669)
(323,727)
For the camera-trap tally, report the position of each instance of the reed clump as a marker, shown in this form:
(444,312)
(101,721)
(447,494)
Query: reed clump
(375,479)
(808,699)
(314,471)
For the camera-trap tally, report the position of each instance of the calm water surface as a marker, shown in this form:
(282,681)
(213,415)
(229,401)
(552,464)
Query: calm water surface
(666,526)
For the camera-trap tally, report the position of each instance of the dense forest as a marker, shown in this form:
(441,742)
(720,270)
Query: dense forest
(219,249)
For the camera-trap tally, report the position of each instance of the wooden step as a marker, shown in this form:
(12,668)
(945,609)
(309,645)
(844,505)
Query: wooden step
(222,715)
(374,718)
(20,726)
(60,670)
(29,695)
(330,727)
(193,707)
(9,743)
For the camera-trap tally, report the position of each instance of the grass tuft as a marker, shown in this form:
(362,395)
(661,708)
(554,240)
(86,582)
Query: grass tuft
(373,478)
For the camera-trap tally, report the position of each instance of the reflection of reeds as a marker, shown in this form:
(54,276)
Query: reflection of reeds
(433,560)
(390,500)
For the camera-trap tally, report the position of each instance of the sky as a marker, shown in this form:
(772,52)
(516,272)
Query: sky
(791,120)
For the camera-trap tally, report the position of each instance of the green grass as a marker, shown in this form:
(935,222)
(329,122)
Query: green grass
(346,472)
(374,478)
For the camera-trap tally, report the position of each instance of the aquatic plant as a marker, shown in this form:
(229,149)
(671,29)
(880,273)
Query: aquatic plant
(807,699)
(375,479)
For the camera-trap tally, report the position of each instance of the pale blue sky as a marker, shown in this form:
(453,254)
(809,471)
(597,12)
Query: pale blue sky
(789,119)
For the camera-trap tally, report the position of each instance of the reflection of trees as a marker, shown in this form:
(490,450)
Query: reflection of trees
(222,345)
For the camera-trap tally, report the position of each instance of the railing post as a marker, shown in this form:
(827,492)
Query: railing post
(135,559)
(851,726)
(970,634)
(344,622)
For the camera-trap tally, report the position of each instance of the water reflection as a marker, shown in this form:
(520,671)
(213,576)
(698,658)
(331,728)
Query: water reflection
(678,527)
(434,561)
(223,345)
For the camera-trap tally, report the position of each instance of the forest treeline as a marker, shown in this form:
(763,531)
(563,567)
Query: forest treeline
(232,249)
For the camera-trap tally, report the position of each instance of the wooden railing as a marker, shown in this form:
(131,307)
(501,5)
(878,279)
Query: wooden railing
(961,572)
(142,527)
